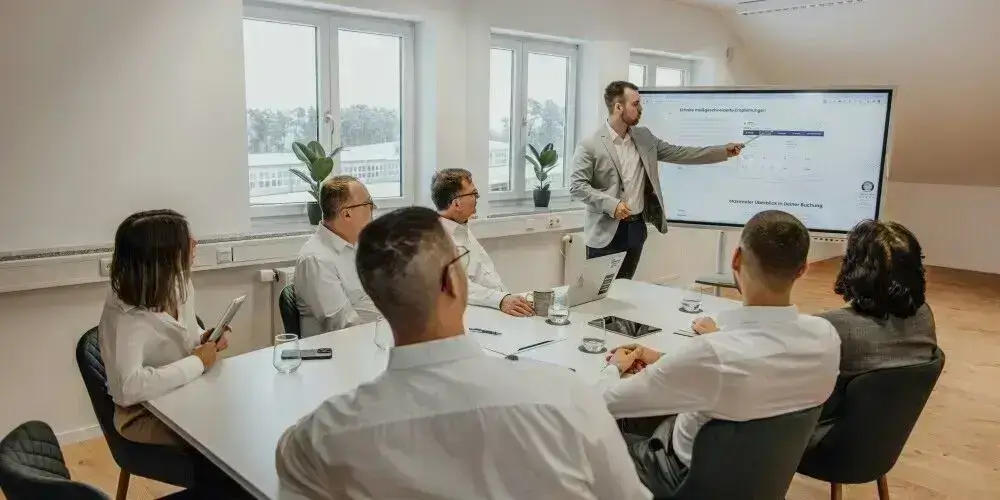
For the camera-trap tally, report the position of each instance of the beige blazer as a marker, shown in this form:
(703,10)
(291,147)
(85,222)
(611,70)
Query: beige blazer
(597,179)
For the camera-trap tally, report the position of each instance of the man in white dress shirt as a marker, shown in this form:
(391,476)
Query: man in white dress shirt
(327,291)
(762,360)
(455,196)
(446,420)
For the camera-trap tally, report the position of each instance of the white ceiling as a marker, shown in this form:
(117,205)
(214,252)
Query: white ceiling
(942,56)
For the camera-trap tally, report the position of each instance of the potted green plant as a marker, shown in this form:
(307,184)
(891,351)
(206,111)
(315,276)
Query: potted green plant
(543,161)
(320,165)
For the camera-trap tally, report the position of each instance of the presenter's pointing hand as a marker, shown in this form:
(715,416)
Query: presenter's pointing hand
(622,210)
(734,148)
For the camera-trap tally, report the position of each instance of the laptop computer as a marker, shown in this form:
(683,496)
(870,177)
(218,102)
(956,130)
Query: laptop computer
(593,280)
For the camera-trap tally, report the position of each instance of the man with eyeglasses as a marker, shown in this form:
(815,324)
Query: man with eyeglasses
(328,293)
(455,196)
(446,419)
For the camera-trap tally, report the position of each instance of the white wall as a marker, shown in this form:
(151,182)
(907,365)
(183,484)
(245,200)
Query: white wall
(104,111)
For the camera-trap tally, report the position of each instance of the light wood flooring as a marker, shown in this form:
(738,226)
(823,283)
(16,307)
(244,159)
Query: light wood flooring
(954,452)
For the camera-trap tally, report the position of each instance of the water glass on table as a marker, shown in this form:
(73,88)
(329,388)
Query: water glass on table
(691,300)
(286,353)
(595,339)
(558,310)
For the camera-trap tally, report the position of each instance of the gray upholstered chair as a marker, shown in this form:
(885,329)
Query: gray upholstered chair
(874,419)
(289,310)
(32,467)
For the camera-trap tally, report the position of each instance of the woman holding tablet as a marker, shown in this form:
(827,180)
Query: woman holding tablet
(150,339)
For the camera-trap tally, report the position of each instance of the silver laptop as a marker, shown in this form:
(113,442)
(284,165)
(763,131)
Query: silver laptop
(593,280)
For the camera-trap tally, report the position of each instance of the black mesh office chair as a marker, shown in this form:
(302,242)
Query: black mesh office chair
(753,460)
(163,463)
(877,413)
(289,310)
(32,467)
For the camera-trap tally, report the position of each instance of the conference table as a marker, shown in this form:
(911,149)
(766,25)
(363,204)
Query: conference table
(236,412)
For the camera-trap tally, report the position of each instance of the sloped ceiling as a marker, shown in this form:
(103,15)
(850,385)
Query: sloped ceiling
(943,55)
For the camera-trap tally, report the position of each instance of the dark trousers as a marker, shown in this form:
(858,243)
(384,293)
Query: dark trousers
(649,445)
(629,238)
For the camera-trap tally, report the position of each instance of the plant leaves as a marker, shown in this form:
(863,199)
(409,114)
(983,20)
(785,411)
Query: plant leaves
(322,169)
(549,157)
(533,150)
(302,175)
(317,149)
(533,160)
(303,153)
(548,147)
(335,151)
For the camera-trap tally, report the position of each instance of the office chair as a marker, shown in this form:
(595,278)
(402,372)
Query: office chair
(752,460)
(289,310)
(876,415)
(166,464)
(32,467)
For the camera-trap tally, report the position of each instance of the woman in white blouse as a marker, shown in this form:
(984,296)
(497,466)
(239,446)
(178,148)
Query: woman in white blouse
(150,339)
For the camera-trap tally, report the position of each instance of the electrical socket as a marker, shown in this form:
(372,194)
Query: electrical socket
(224,255)
(553,222)
(105,269)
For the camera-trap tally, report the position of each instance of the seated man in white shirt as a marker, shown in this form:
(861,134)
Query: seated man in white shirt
(762,360)
(446,420)
(455,196)
(327,291)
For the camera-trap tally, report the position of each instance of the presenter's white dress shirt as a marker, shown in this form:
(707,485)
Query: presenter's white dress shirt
(763,362)
(328,292)
(633,175)
(446,421)
(485,286)
(148,354)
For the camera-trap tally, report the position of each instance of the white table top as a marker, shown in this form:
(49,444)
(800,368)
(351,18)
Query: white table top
(235,413)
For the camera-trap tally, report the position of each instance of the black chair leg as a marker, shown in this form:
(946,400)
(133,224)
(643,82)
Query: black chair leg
(122,493)
(836,491)
(883,488)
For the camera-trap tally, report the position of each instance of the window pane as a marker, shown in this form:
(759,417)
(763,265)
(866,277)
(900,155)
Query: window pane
(546,112)
(637,74)
(669,77)
(282,107)
(501,87)
(371,96)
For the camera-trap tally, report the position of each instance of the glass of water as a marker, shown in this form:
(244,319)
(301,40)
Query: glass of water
(594,342)
(558,310)
(286,353)
(383,334)
(691,301)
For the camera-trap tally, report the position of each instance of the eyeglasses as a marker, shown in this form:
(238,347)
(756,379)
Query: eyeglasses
(369,203)
(475,193)
(462,258)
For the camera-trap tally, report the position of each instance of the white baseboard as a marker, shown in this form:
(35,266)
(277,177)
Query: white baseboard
(78,435)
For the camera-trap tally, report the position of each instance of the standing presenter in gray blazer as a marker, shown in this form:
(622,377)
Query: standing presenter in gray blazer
(616,175)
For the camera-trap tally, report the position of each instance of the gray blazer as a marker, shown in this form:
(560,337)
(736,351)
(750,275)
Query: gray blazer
(597,179)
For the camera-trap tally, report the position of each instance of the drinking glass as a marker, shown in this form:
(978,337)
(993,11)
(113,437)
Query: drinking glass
(559,311)
(691,301)
(286,353)
(383,334)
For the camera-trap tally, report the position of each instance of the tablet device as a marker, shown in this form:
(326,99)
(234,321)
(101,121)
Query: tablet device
(220,327)
(622,326)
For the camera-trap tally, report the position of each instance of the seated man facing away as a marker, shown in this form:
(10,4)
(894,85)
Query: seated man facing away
(887,322)
(328,293)
(763,360)
(455,197)
(446,420)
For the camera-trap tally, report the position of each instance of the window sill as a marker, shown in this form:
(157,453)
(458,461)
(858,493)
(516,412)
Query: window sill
(512,208)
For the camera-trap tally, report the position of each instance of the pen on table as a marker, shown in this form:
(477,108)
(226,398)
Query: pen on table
(525,348)
(483,330)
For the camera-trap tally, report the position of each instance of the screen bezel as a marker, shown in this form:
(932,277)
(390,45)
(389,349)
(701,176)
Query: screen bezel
(889,91)
(603,321)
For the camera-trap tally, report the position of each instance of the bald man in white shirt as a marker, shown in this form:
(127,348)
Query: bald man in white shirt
(327,291)
(446,420)
(456,198)
(762,360)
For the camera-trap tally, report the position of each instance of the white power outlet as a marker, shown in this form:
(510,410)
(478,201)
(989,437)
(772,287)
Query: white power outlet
(224,255)
(554,222)
(105,269)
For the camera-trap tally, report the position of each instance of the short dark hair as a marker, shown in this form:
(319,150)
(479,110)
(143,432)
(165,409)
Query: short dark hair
(334,194)
(151,261)
(615,93)
(400,261)
(447,184)
(777,243)
(883,271)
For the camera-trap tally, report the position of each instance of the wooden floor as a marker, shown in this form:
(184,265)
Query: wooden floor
(954,451)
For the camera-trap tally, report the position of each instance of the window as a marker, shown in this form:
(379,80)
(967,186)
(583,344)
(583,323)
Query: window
(533,86)
(659,71)
(339,79)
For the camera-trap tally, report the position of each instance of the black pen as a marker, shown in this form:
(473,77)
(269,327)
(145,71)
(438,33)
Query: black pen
(483,330)
(525,348)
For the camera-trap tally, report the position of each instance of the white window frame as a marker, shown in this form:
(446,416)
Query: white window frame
(327,24)
(520,47)
(651,62)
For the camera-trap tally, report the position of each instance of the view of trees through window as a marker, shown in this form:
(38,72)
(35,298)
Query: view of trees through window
(273,131)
